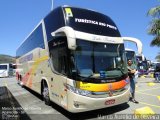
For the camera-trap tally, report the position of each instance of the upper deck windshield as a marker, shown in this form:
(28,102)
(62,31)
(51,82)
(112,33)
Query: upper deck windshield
(90,21)
(130,54)
(99,60)
(3,67)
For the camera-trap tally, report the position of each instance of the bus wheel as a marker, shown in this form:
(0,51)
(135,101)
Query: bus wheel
(45,95)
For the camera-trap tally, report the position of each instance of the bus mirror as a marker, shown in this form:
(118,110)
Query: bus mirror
(71,43)
(70,34)
(53,34)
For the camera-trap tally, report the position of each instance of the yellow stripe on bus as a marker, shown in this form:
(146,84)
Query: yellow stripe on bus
(103,87)
(34,68)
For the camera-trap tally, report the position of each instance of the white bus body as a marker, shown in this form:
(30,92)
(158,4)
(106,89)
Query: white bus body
(6,70)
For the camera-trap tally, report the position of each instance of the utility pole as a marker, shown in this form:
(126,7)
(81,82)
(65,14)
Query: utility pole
(52,5)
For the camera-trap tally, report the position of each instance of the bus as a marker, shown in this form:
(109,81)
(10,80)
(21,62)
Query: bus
(130,54)
(75,57)
(141,58)
(143,67)
(6,70)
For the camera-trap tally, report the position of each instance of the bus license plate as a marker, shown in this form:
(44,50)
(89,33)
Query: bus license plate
(109,102)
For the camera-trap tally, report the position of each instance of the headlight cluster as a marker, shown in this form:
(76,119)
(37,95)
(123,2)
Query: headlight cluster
(89,93)
(78,91)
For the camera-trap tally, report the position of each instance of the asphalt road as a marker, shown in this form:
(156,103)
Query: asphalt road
(19,103)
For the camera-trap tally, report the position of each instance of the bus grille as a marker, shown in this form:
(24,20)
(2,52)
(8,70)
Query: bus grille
(107,94)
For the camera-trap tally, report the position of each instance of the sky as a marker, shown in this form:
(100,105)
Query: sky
(19,17)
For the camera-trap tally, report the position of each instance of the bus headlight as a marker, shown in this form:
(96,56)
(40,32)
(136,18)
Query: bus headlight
(83,92)
(78,91)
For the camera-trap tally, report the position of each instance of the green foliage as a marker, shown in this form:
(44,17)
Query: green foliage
(154,12)
(154,28)
(158,57)
(7,59)
(156,41)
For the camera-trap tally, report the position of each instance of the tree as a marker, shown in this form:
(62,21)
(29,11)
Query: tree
(154,28)
(158,57)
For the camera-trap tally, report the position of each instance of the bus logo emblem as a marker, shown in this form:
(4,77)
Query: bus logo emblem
(110,90)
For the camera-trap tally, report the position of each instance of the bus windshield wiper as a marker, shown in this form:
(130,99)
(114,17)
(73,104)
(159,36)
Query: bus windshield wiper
(86,78)
(120,70)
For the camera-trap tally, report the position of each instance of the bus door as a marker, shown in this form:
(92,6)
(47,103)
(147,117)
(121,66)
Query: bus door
(58,49)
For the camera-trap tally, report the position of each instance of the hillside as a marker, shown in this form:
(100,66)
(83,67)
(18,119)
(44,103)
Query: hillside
(6,59)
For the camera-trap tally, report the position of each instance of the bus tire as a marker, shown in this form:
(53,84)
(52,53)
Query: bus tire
(45,94)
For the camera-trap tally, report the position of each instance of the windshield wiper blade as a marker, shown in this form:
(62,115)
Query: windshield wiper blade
(86,78)
(120,70)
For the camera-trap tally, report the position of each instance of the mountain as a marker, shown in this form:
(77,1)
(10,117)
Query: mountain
(7,59)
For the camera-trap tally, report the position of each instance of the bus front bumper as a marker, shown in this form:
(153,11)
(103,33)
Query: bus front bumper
(78,103)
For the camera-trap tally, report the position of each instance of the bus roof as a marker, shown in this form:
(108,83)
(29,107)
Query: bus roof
(80,19)
(84,20)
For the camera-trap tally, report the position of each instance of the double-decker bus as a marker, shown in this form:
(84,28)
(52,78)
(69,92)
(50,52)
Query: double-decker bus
(76,58)
(143,68)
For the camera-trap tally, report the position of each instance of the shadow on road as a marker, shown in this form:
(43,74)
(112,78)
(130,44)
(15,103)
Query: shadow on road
(10,109)
(78,116)
(91,114)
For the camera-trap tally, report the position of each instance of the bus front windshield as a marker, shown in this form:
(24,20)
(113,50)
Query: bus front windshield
(99,60)
(143,65)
